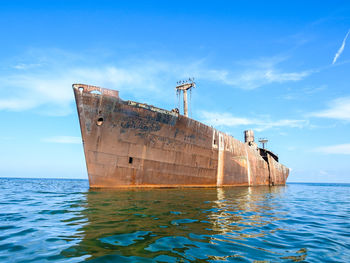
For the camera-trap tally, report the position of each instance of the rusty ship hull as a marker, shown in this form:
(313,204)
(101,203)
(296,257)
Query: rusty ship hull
(130,144)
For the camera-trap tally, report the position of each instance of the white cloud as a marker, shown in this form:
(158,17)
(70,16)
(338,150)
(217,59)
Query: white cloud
(52,88)
(63,139)
(16,104)
(341,49)
(295,95)
(223,119)
(334,149)
(228,120)
(24,66)
(282,123)
(338,109)
(252,74)
(45,78)
(254,78)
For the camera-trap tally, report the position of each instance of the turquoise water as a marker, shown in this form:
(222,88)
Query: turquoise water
(43,220)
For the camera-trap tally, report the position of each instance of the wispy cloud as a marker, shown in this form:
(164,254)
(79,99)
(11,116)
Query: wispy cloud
(63,139)
(16,104)
(341,49)
(29,89)
(24,66)
(44,80)
(338,109)
(255,74)
(295,95)
(334,149)
(228,120)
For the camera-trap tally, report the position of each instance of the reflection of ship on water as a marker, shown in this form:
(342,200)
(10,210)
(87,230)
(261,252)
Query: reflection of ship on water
(127,222)
(247,213)
(237,209)
(176,223)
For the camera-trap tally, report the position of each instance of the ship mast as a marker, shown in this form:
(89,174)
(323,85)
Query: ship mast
(263,141)
(184,86)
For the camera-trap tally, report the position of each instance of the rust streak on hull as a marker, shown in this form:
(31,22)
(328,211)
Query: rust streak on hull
(130,144)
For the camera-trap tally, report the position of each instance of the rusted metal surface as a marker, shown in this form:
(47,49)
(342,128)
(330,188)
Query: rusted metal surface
(130,144)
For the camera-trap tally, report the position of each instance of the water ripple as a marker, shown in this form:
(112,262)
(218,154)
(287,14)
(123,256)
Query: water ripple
(44,220)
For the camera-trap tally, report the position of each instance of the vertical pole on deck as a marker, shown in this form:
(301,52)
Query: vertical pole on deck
(184,86)
(185,103)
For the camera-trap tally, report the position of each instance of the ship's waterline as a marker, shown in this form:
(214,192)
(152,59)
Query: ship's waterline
(130,144)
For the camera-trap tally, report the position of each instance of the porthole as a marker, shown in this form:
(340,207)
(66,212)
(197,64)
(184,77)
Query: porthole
(99,121)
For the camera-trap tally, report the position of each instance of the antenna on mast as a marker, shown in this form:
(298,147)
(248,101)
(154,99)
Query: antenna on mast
(184,86)
(263,141)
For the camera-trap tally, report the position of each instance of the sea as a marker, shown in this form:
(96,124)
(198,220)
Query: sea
(56,220)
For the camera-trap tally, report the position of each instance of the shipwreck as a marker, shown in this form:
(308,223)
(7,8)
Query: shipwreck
(132,144)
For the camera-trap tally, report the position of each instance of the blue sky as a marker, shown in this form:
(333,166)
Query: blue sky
(280,68)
